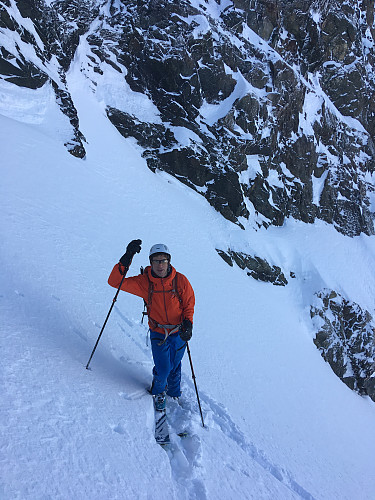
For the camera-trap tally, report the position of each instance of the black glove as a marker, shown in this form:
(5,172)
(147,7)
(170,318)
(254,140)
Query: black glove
(186,330)
(133,248)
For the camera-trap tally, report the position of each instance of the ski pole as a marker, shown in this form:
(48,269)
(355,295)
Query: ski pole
(105,322)
(195,384)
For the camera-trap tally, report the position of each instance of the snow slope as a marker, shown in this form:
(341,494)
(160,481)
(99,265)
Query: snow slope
(279,423)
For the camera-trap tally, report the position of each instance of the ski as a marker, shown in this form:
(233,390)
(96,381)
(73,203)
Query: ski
(161,427)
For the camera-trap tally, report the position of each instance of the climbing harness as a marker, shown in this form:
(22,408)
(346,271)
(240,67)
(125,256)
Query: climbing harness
(168,329)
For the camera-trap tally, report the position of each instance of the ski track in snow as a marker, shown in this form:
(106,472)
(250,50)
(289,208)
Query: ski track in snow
(222,420)
(185,453)
(127,330)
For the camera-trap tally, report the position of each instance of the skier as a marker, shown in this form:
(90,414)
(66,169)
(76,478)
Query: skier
(170,301)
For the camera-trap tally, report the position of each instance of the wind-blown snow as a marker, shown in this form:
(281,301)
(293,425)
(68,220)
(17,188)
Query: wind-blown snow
(37,107)
(279,423)
(112,89)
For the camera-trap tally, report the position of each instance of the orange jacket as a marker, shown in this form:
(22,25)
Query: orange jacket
(166,307)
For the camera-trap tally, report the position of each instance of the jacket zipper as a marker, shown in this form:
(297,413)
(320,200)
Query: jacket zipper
(165,304)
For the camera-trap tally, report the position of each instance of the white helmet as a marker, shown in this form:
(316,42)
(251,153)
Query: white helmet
(159,248)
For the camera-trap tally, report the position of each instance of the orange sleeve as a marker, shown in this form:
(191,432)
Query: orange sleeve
(188,299)
(135,285)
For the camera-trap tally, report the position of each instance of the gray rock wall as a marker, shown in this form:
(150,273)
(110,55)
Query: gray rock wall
(278,97)
(346,339)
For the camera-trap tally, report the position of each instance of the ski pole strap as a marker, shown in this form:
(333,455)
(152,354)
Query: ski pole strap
(182,347)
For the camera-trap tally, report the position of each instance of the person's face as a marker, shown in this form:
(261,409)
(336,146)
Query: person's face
(159,265)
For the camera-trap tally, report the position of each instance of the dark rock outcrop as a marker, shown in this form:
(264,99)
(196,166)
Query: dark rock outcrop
(346,339)
(256,267)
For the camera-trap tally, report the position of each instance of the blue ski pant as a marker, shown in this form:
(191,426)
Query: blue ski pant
(167,360)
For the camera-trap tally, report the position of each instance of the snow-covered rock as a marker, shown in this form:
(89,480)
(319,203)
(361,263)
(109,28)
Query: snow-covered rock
(290,82)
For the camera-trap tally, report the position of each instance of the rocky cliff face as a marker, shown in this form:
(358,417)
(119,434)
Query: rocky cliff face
(346,339)
(264,107)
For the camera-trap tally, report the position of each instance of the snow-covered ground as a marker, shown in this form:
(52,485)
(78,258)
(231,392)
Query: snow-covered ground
(279,423)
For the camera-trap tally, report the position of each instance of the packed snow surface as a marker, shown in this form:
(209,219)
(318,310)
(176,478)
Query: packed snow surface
(278,423)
